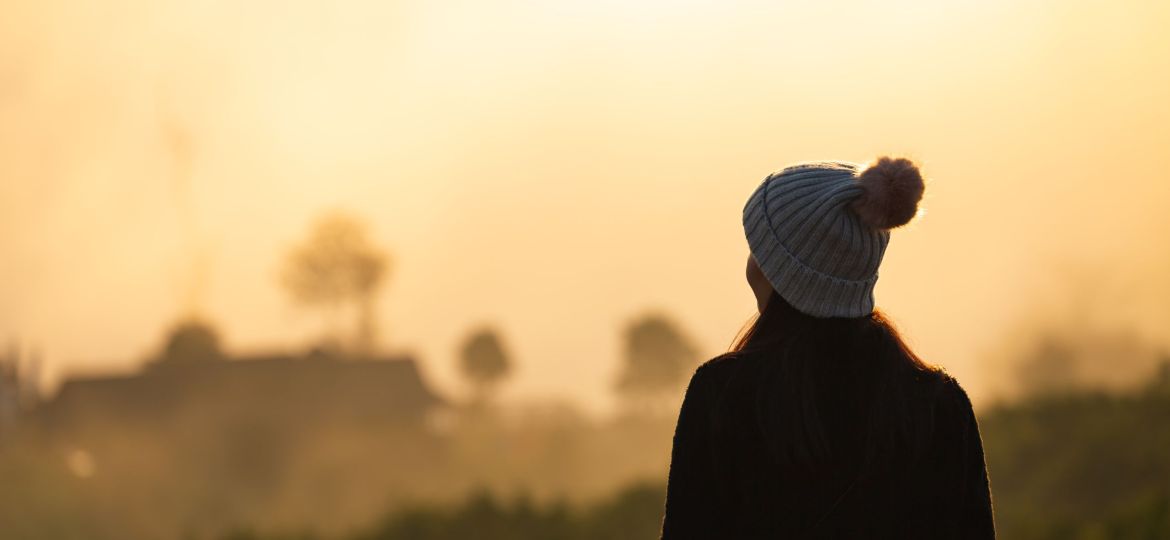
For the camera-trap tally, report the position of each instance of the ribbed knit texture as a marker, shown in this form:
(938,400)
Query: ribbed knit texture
(811,246)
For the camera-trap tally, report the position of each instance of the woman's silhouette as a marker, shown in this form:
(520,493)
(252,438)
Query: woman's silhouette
(821,422)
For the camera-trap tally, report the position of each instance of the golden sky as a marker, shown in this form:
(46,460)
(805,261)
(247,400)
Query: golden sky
(558,167)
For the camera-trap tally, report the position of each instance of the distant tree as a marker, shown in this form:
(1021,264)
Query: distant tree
(337,267)
(191,341)
(484,362)
(1050,367)
(657,358)
(1058,360)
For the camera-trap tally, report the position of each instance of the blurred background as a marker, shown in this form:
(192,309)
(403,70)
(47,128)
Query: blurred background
(400,269)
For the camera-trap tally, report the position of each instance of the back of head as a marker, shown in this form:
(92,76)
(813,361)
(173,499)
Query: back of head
(818,232)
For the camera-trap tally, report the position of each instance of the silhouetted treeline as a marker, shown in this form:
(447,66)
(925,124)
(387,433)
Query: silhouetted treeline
(201,441)
(1082,465)
(632,514)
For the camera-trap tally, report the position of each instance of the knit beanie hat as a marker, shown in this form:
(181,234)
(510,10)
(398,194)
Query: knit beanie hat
(819,230)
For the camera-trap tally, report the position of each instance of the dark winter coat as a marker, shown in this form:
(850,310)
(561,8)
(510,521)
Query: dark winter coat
(725,482)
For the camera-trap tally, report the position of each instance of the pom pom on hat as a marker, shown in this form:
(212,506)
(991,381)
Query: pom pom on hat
(893,188)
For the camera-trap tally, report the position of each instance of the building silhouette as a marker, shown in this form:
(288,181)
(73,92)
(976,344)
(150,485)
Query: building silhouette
(286,394)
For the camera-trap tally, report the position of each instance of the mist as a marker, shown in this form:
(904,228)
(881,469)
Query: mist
(556,168)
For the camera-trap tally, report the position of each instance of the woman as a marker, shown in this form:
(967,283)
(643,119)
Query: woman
(821,422)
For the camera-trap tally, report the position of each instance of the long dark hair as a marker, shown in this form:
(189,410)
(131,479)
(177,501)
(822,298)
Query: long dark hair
(808,362)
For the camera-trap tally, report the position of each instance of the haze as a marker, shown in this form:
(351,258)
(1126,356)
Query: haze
(557,168)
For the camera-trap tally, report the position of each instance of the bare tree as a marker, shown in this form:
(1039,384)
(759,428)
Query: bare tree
(337,267)
(484,362)
(656,361)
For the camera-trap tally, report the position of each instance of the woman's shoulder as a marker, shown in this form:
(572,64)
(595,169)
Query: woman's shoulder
(721,370)
(950,396)
(721,366)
